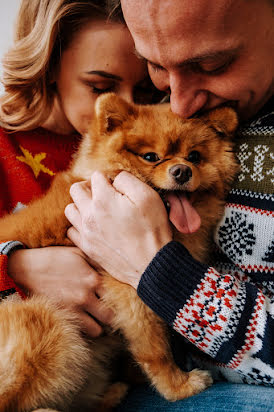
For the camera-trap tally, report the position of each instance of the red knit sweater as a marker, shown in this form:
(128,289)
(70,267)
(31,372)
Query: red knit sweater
(28,163)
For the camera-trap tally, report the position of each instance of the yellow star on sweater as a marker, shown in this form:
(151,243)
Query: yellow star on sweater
(34,162)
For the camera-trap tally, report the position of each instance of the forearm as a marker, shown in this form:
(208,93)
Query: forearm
(169,280)
(216,312)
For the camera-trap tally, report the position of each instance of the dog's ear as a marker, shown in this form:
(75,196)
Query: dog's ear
(223,119)
(111,111)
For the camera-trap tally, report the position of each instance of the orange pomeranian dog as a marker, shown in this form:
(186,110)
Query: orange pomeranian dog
(45,362)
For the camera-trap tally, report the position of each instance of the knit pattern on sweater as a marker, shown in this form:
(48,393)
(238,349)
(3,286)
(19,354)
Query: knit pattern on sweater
(28,163)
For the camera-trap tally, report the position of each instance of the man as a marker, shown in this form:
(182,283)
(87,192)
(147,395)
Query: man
(204,53)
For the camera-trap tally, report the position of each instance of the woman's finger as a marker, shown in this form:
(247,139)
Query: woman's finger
(98,310)
(90,326)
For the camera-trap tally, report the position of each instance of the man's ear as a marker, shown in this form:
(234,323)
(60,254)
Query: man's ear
(223,119)
(111,111)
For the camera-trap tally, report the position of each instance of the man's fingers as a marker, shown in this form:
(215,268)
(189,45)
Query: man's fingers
(124,184)
(132,187)
(101,187)
(74,236)
(81,195)
(73,215)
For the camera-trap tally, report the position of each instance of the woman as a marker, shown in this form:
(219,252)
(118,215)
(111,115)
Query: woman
(65,54)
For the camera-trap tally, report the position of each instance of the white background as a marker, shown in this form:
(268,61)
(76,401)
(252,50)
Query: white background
(8,10)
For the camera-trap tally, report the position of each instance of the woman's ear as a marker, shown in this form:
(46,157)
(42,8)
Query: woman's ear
(223,119)
(112,111)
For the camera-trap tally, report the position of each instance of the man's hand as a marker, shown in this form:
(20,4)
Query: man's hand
(121,226)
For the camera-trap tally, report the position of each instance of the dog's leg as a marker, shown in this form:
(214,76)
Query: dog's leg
(148,342)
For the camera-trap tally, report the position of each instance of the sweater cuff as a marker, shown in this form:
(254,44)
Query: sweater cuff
(7,285)
(169,280)
(8,247)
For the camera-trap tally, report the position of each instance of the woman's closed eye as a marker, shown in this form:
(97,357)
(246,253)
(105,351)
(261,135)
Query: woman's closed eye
(101,88)
(97,90)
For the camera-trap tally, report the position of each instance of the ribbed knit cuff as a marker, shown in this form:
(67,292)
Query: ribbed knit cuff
(169,280)
(7,285)
(8,247)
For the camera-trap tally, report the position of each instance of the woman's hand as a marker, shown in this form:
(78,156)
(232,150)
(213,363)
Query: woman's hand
(62,273)
(120,226)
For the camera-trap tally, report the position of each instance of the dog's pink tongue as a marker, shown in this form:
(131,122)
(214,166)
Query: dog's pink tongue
(182,214)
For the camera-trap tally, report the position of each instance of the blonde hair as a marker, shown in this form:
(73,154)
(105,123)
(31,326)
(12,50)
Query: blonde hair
(43,29)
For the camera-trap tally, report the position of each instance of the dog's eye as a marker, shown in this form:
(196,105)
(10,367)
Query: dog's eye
(151,157)
(194,157)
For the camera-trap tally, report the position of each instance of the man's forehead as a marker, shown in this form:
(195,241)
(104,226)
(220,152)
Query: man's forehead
(190,28)
(144,14)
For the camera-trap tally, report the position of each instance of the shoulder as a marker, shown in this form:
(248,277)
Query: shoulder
(10,133)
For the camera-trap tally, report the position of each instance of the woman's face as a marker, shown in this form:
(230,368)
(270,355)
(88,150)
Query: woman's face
(100,59)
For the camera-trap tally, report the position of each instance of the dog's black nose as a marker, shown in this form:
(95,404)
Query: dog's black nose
(181,173)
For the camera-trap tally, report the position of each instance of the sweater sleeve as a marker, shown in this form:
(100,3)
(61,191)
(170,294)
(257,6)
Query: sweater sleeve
(227,318)
(7,285)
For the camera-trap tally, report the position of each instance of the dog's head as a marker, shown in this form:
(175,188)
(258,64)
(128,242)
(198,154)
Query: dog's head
(159,147)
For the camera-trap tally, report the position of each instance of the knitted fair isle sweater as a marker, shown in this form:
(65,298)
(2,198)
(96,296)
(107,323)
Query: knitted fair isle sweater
(227,311)
(28,163)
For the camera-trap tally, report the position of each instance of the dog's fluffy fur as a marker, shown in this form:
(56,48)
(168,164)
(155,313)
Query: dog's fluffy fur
(45,362)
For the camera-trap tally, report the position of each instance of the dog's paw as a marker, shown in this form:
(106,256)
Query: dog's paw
(184,384)
(114,395)
(199,380)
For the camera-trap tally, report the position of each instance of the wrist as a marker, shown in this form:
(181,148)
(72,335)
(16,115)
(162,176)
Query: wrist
(134,281)
(6,248)
(17,266)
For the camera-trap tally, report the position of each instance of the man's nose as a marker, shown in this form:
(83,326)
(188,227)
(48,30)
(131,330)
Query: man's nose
(186,97)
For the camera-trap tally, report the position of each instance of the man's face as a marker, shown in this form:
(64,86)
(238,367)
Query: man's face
(206,52)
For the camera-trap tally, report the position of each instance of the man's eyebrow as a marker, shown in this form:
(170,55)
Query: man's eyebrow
(199,58)
(105,74)
(139,56)
(213,55)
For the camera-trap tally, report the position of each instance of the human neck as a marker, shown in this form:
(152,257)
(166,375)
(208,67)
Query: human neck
(57,122)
